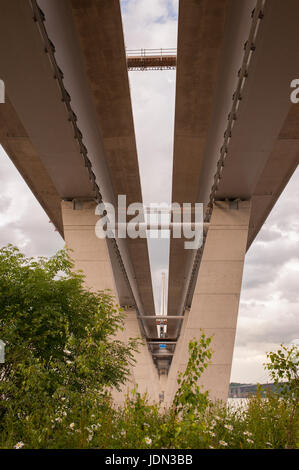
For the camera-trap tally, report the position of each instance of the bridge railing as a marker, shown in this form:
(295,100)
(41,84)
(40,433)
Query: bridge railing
(151,59)
(171,52)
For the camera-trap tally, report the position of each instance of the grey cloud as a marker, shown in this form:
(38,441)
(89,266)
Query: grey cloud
(23,222)
(153,25)
(34,236)
(159,256)
(257,276)
(280,328)
(273,253)
(5,202)
(284,215)
(153,106)
(276,244)
(288,287)
(269,233)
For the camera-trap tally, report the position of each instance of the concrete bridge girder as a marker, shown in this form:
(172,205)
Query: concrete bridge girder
(39,137)
(262,146)
(91,255)
(214,309)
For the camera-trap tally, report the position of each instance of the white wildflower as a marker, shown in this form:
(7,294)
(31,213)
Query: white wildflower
(72,425)
(229,427)
(95,427)
(223,443)
(148,441)
(19,445)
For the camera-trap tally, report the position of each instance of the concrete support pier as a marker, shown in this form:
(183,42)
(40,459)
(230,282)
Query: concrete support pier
(90,254)
(216,298)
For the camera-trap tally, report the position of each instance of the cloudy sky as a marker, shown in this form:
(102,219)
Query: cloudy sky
(269,305)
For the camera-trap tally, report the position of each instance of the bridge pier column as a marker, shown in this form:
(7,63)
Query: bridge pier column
(216,297)
(90,254)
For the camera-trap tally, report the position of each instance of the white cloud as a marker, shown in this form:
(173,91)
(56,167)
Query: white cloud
(269,306)
(23,222)
(150,24)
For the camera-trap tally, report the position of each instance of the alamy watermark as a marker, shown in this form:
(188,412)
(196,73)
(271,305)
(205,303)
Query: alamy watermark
(2,91)
(154,221)
(295,93)
(2,352)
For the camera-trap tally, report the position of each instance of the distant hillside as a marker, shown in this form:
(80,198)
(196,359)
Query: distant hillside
(242,390)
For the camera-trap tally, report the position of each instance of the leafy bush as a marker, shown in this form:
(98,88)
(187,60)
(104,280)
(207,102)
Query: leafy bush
(189,399)
(61,361)
(58,339)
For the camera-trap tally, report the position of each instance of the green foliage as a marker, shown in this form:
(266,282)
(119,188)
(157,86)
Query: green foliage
(62,357)
(261,424)
(189,399)
(58,335)
(283,368)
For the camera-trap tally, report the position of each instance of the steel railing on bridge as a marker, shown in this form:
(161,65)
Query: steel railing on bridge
(151,59)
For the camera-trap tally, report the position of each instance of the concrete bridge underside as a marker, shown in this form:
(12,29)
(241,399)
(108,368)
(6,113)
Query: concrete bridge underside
(74,151)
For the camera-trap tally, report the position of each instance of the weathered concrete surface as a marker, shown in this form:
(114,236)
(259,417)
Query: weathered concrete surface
(200,37)
(37,100)
(90,254)
(89,45)
(171,385)
(215,303)
(105,64)
(201,28)
(263,150)
(265,103)
(18,146)
(276,173)
(57,169)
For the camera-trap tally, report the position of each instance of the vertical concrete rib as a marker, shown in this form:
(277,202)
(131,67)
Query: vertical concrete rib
(90,254)
(98,28)
(215,303)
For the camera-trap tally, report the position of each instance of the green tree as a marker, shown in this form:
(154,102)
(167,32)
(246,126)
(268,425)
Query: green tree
(189,398)
(60,337)
(284,371)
